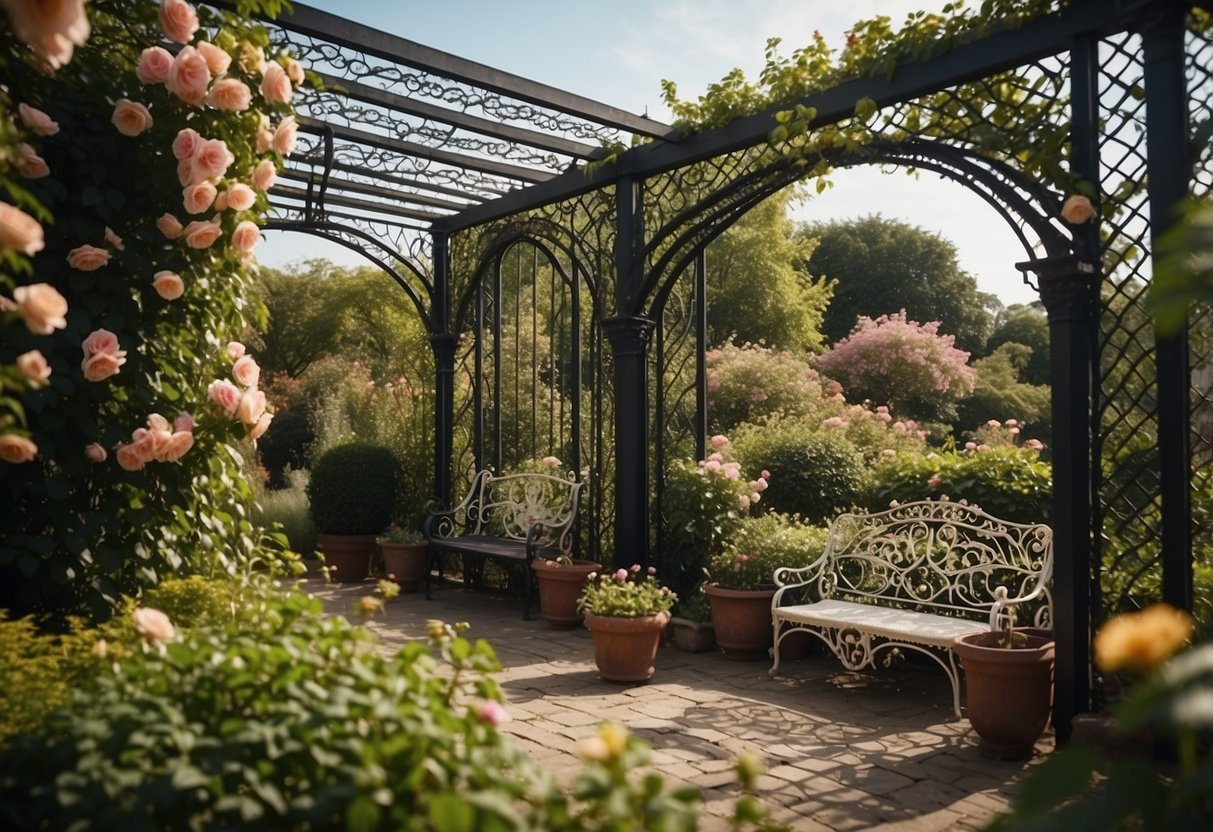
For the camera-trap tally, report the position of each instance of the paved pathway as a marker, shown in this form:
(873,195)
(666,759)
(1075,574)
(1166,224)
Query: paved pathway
(842,750)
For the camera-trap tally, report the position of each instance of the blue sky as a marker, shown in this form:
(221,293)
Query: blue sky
(618,53)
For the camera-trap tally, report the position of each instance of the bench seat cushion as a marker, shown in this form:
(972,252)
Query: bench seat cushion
(901,625)
(491,546)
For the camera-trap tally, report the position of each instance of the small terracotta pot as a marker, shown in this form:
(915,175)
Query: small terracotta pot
(560,586)
(742,619)
(406,561)
(626,648)
(1008,691)
(348,556)
(693,636)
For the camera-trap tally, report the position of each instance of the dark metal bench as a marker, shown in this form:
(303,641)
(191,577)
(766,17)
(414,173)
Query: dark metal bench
(513,518)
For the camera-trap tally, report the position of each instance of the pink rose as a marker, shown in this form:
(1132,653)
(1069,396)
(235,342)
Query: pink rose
(246,372)
(225,394)
(217,61)
(250,407)
(186,144)
(183,422)
(240,197)
(16,449)
(719,441)
(114,240)
(294,71)
(131,118)
(42,307)
(275,85)
(129,459)
(87,258)
(33,367)
(154,65)
(621,575)
(263,424)
(230,95)
(493,713)
(101,366)
(189,76)
(185,172)
(284,136)
(1077,210)
(246,237)
(178,20)
(212,159)
(169,226)
(743,502)
(198,197)
(29,164)
(766,475)
(934,483)
(146,443)
(265,136)
(20,231)
(95,453)
(200,234)
(264,175)
(160,441)
(152,624)
(101,341)
(52,30)
(37,121)
(220,203)
(168,285)
(178,443)
(234,349)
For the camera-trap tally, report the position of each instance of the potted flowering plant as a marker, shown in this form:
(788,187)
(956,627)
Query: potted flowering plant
(626,611)
(404,552)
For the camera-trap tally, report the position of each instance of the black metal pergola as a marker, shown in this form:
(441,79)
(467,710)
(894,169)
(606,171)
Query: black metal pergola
(467,186)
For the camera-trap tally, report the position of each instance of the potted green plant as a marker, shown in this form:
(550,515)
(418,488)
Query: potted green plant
(405,555)
(560,582)
(350,494)
(626,612)
(691,623)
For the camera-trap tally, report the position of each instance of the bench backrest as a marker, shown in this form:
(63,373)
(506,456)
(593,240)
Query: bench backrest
(510,504)
(942,556)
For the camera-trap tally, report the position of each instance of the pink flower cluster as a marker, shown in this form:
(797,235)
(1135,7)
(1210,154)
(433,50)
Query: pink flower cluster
(103,355)
(242,401)
(716,465)
(158,442)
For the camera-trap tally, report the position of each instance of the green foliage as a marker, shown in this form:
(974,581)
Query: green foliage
(304,316)
(285,445)
(352,489)
(749,382)
(763,544)
(625,593)
(1024,324)
(815,470)
(287,508)
(1184,275)
(999,392)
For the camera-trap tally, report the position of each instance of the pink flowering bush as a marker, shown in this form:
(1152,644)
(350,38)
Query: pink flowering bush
(748,383)
(626,593)
(909,366)
(763,544)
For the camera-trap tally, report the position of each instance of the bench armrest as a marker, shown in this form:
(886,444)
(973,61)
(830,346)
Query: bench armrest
(438,524)
(788,579)
(1005,605)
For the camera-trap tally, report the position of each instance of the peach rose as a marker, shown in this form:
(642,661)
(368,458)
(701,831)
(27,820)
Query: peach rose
(263,424)
(1077,209)
(240,197)
(145,444)
(178,443)
(42,307)
(220,203)
(37,121)
(186,143)
(16,449)
(234,350)
(189,76)
(101,341)
(251,407)
(264,175)
(156,422)
(265,135)
(169,226)
(200,234)
(154,65)
(217,61)
(129,458)
(212,159)
(185,172)
(87,258)
(19,231)
(131,118)
(198,197)
(183,422)
(29,164)
(52,30)
(284,136)
(294,71)
(225,394)
(168,285)
(178,20)
(34,368)
(95,453)
(275,85)
(230,95)
(246,237)
(101,366)
(246,372)
(113,239)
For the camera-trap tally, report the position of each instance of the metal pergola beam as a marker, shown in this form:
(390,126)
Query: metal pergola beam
(303,195)
(367,189)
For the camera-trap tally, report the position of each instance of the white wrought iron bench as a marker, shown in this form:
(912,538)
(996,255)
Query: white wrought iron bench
(512,517)
(914,577)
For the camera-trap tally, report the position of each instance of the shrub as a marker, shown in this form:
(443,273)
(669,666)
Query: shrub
(285,445)
(816,471)
(287,508)
(625,593)
(352,488)
(762,545)
(748,383)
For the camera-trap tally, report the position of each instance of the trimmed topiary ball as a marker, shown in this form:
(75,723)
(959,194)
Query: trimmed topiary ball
(352,489)
(815,472)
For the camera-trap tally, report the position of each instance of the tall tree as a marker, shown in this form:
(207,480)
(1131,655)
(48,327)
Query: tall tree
(881,266)
(1024,324)
(306,305)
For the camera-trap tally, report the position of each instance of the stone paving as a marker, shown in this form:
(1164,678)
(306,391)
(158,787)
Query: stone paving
(842,750)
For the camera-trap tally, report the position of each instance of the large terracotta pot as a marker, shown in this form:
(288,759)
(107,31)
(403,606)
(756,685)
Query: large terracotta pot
(1009,691)
(625,648)
(742,620)
(406,561)
(560,586)
(348,556)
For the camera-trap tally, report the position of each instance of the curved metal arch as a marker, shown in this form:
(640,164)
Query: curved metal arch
(323,229)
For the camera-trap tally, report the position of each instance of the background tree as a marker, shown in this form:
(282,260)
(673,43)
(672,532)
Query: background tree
(880,266)
(1000,392)
(306,304)
(1024,324)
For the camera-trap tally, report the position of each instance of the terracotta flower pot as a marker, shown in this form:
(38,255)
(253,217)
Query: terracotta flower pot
(693,636)
(625,648)
(559,588)
(742,619)
(407,561)
(348,556)
(1009,691)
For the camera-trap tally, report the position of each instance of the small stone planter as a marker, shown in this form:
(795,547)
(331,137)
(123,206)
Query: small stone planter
(406,562)
(692,636)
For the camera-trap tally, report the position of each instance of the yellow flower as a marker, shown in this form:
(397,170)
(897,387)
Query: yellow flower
(609,744)
(369,605)
(1141,640)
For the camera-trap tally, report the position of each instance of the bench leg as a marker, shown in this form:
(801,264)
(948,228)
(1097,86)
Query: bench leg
(775,649)
(527,579)
(955,674)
